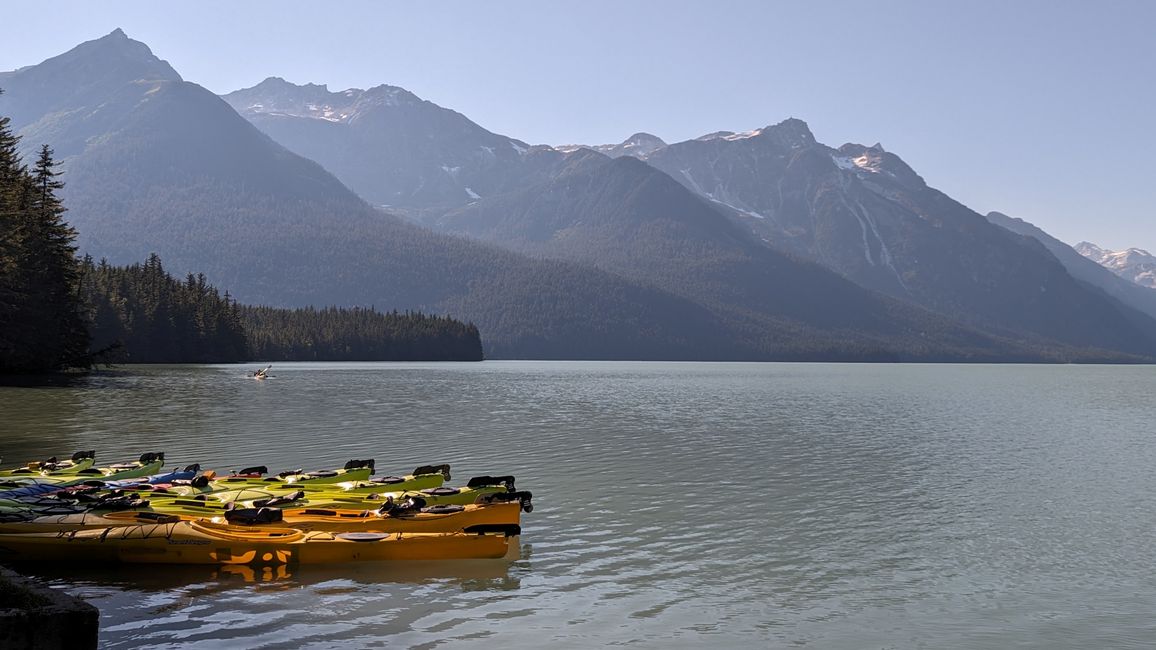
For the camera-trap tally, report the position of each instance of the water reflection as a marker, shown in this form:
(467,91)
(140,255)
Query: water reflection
(196,580)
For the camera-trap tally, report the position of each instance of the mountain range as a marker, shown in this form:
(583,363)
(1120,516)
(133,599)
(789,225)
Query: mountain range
(757,245)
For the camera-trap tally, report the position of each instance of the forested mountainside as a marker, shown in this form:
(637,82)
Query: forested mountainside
(179,173)
(859,211)
(627,217)
(863,212)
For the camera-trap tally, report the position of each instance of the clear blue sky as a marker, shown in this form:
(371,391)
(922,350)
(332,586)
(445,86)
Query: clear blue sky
(1039,109)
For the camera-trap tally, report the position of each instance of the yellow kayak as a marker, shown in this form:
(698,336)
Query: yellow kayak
(200,542)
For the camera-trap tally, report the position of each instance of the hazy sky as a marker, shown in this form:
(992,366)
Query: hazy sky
(1039,109)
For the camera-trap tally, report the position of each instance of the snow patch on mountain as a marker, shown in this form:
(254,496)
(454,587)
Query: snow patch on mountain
(865,162)
(742,136)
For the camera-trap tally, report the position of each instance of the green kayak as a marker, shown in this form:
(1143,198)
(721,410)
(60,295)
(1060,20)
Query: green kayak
(79,462)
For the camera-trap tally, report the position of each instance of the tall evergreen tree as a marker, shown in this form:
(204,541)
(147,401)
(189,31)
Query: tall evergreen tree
(42,328)
(13,295)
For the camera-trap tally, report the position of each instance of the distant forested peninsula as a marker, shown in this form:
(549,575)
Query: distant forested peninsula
(61,313)
(141,314)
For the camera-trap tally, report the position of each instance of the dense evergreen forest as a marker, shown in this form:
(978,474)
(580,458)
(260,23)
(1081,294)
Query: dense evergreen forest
(357,334)
(142,314)
(58,312)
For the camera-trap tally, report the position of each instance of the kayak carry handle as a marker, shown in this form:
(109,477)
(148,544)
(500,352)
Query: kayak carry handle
(443,469)
(358,464)
(394,509)
(509,530)
(524,497)
(486,481)
(151,457)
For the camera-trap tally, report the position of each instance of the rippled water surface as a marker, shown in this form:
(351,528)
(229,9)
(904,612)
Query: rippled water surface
(677,505)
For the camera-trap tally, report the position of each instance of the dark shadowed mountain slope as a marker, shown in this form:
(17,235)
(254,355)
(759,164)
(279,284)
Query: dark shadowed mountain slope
(628,218)
(1083,268)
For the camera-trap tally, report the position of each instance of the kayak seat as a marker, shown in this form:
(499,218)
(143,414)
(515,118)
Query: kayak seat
(387,480)
(483,481)
(441,491)
(362,537)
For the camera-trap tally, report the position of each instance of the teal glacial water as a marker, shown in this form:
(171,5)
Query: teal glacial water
(677,504)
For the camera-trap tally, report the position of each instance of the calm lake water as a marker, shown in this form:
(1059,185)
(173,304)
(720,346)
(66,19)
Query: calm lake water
(677,504)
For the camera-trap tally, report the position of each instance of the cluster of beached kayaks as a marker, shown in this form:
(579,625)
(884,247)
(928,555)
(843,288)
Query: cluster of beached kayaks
(72,510)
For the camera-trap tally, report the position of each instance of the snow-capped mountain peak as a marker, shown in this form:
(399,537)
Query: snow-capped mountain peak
(1135,264)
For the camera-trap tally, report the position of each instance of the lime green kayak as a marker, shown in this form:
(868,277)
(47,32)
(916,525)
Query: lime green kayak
(79,462)
(355,475)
